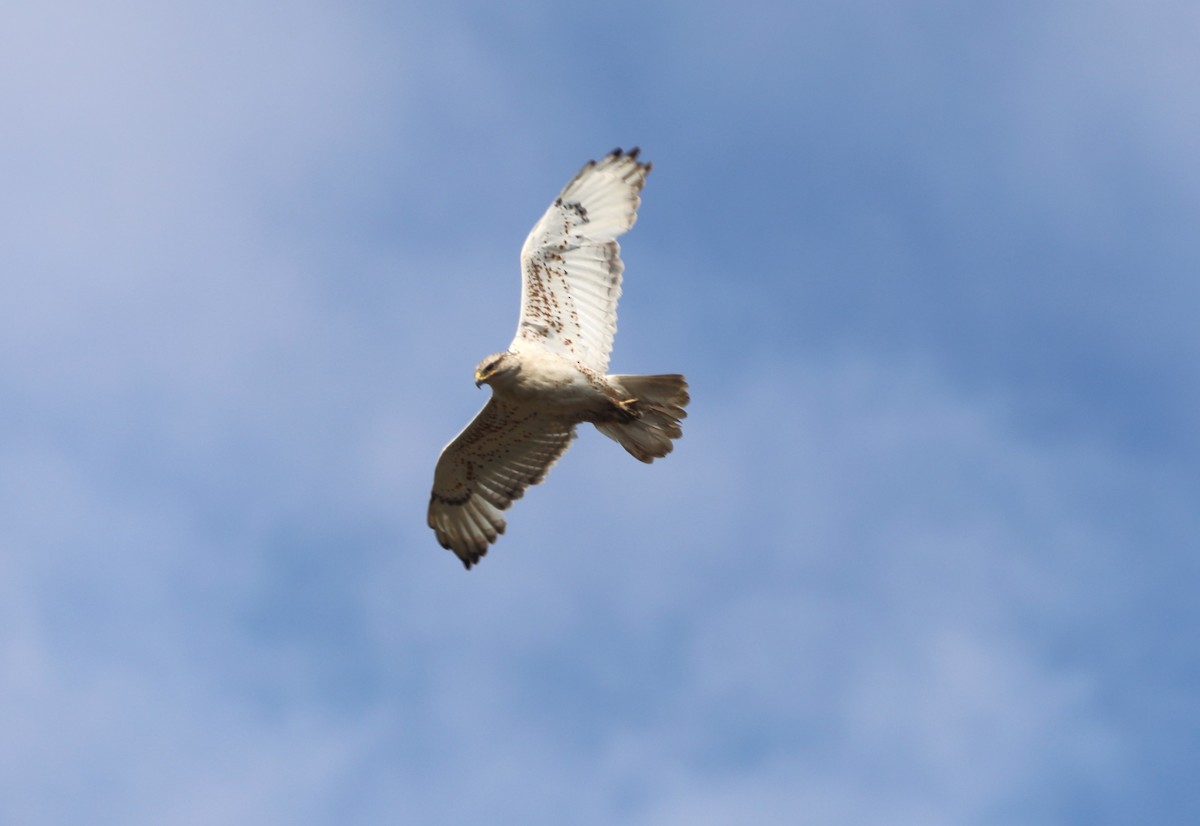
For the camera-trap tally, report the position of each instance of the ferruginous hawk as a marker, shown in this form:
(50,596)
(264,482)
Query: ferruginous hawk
(554,375)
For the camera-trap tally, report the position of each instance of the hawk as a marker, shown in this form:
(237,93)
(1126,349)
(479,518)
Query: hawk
(554,375)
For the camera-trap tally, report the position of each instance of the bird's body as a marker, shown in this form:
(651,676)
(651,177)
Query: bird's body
(554,374)
(556,384)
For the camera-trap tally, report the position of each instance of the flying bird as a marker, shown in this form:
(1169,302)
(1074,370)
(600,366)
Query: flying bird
(554,374)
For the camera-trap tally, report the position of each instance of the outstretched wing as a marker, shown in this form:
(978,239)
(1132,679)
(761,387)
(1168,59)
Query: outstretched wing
(504,450)
(571,265)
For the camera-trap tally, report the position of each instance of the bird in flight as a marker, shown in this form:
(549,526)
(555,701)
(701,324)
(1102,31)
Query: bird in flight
(554,374)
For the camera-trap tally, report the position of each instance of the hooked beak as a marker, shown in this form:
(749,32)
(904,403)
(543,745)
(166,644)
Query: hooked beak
(479,379)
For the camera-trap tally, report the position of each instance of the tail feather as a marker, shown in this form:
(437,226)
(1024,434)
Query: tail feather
(659,409)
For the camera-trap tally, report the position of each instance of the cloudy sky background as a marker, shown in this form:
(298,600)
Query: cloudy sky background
(927,553)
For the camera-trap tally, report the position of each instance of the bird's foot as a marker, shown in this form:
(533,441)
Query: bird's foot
(627,407)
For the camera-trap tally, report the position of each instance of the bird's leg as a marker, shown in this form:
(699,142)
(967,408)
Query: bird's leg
(626,406)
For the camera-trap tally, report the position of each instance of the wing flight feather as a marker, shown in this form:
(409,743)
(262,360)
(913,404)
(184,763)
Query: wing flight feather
(503,451)
(571,263)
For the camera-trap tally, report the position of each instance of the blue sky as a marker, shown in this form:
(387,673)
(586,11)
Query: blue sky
(926,554)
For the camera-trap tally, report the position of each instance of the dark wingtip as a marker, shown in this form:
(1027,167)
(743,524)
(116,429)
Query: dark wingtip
(472,558)
(633,153)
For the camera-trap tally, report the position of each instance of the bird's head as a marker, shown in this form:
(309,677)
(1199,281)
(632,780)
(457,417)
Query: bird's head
(499,365)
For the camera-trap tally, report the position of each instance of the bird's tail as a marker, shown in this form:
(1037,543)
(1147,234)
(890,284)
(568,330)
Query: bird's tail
(658,410)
